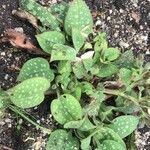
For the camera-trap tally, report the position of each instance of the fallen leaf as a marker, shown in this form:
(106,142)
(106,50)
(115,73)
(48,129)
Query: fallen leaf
(26,16)
(20,40)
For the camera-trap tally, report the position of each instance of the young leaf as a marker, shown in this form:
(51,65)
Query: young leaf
(111,145)
(30,92)
(62,140)
(85,143)
(111,54)
(124,125)
(36,67)
(79,17)
(63,79)
(79,70)
(125,75)
(83,125)
(78,39)
(63,52)
(100,42)
(46,18)
(64,66)
(107,70)
(49,38)
(66,108)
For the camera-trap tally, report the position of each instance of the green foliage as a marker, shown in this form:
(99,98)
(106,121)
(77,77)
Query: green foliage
(46,18)
(91,87)
(83,125)
(36,67)
(48,39)
(63,52)
(61,139)
(78,22)
(66,108)
(111,54)
(124,125)
(30,92)
(111,145)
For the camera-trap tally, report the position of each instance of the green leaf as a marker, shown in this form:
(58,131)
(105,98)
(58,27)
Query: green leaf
(108,134)
(85,143)
(111,54)
(88,64)
(79,70)
(83,125)
(64,66)
(59,10)
(49,38)
(64,79)
(63,52)
(78,39)
(79,17)
(107,70)
(66,108)
(3,99)
(62,140)
(36,67)
(92,109)
(46,18)
(30,92)
(124,125)
(126,60)
(100,42)
(111,145)
(125,76)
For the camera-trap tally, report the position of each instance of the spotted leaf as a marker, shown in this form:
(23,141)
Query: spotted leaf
(49,38)
(78,39)
(66,108)
(78,17)
(63,52)
(124,125)
(30,92)
(111,54)
(111,145)
(36,67)
(62,140)
(46,18)
(108,134)
(83,125)
(106,70)
(79,70)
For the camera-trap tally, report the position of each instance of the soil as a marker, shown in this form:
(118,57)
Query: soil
(127,24)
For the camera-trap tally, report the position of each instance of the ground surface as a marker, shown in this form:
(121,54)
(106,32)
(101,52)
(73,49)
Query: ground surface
(127,24)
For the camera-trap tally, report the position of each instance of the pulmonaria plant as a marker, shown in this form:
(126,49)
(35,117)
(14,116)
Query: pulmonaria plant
(85,76)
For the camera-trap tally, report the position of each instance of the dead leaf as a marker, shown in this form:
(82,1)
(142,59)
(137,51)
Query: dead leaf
(26,16)
(20,40)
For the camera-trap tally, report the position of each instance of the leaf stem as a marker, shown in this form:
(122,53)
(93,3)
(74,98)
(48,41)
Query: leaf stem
(14,109)
(119,93)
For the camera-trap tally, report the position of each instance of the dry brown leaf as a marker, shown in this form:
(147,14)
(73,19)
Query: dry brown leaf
(20,40)
(26,16)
